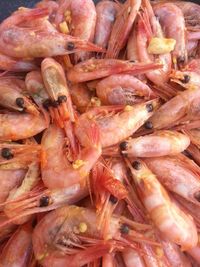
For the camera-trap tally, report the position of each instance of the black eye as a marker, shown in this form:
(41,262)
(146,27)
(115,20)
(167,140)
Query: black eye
(6,153)
(70,46)
(149,107)
(148,125)
(123,145)
(55,104)
(20,102)
(62,98)
(186,79)
(136,165)
(124,229)
(44,201)
(113,199)
(47,103)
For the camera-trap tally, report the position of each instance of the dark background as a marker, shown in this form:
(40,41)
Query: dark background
(7,6)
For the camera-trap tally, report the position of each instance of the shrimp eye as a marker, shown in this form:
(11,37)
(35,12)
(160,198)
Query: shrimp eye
(62,99)
(149,107)
(113,199)
(136,165)
(132,61)
(44,201)
(186,79)
(124,229)
(70,46)
(197,196)
(148,125)
(47,103)
(123,145)
(6,153)
(20,102)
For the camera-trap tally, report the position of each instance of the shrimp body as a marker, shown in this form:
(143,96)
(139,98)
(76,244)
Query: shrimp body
(174,174)
(115,127)
(122,89)
(176,225)
(132,258)
(99,68)
(106,14)
(158,144)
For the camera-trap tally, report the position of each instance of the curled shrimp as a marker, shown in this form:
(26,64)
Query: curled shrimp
(115,122)
(158,144)
(99,68)
(106,15)
(17,250)
(168,12)
(176,225)
(13,97)
(122,27)
(37,40)
(174,173)
(123,89)
(70,228)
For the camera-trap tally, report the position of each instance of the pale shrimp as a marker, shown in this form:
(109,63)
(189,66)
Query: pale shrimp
(81,96)
(106,15)
(70,229)
(115,123)
(175,172)
(13,97)
(15,126)
(166,13)
(122,27)
(132,258)
(158,144)
(99,68)
(25,43)
(15,64)
(18,249)
(123,89)
(176,225)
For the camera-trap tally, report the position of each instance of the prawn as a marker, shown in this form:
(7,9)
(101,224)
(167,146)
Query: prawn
(106,15)
(115,123)
(99,68)
(176,225)
(39,42)
(123,89)
(132,258)
(175,172)
(122,27)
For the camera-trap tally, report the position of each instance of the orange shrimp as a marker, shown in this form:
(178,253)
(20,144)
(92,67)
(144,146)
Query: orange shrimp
(175,172)
(115,123)
(99,68)
(18,249)
(123,89)
(176,225)
(36,40)
(122,27)
(106,15)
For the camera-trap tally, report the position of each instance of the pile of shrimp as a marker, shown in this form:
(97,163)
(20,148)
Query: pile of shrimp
(100,134)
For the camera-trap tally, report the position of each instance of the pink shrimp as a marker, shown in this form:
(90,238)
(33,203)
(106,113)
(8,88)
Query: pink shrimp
(176,225)
(99,68)
(34,41)
(122,27)
(18,249)
(52,8)
(123,89)
(168,12)
(115,122)
(106,15)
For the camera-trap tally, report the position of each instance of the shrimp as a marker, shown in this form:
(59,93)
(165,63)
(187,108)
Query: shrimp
(13,97)
(15,126)
(174,173)
(132,258)
(158,144)
(69,228)
(7,230)
(99,68)
(52,8)
(39,42)
(171,221)
(15,64)
(122,27)
(115,122)
(166,13)
(18,249)
(187,79)
(123,89)
(195,253)
(132,50)
(106,15)
(59,173)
